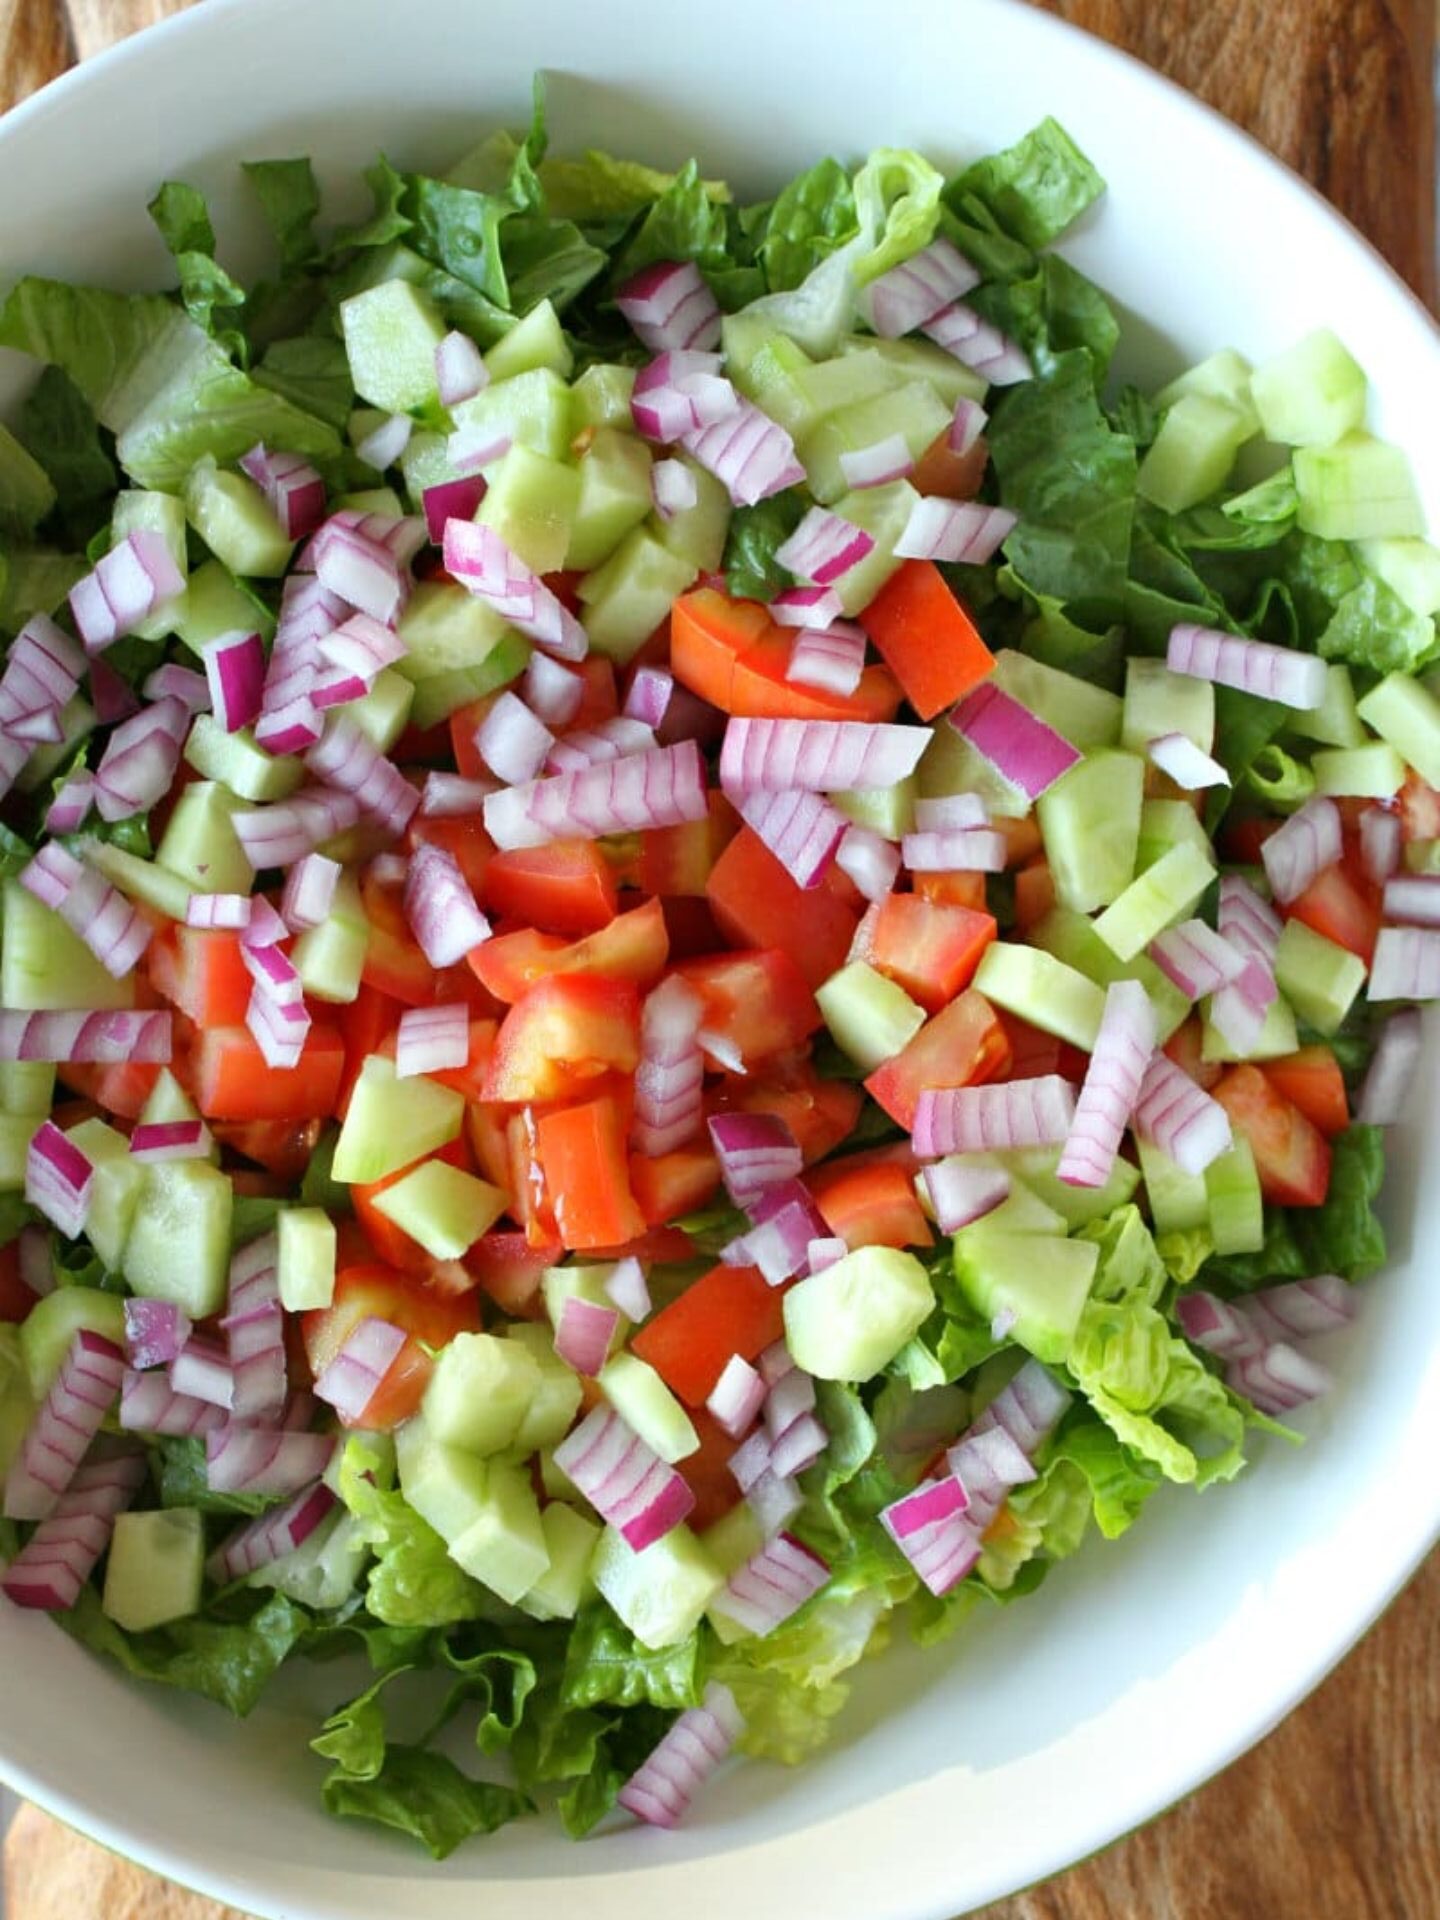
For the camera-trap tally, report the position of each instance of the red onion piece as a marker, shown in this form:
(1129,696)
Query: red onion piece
(969,422)
(350,1381)
(345,758)
(114,931)
(789,1400)
(451,500)
(774,1499)
(906,296)
(1118,1061)
(155,1331)
(98,1038)
(41,728)
(460,369)
(270,1536)
(1189,766)
(1252,925)
(172,682)
(584,1334)
(824,1253)
(52,1567)
(750,1461)
(877,465)
(813,607)
(161,1140)
(552,692)
(986,1463)
(128,583)
(309,892)
(1414,899)
(955,850)
(673,488)
(800,829)
(737,1397)
(1406,964)
(201,1370)
(1027,752)
(750,454)
(1253,666)
(786,1220)
(1392,1070)
(1029,1408)
(1309,841)
(960,330)
(776,1361)
(279,835)
(43,669)
(140,759)
(243,1459)
(1020,1113)
(469,449)
(952,810)
(512,742)
(59,1179)
(359,570)
(930,1529)
(630,1486)
(265,927)
(671,305)
(661,788)
(757,1151)
(362,647)
(871,863)
(64,1424)
(771,756)
(962,1190)
(432,1040)
(824,547)
(112,698)
(1381,839)
(1217,1326)
(450,795)
(71,806)
(441,908)
(669,1080)
(954,530)
(592,746)
(1179,1117)
(627,1288)
(661,1790)
(235,672)
(279,1030)
(831,658)
(1197,959)
(294,490)
(149,1404)
(275,971)
(772,1585)
(1300,1309)
(401,536)
(480,560)
(383,445)
(1278,1379)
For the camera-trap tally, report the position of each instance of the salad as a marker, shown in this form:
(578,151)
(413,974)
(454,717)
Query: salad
(701,946)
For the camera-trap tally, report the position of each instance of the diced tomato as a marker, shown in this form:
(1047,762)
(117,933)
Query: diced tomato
(16,1299)
(954,476)
(233,1082)
(601,699)
(1021,837)
(1243,838)
(760,1002)
(1419,809)
(1311,1080)
(926,638)
(1186,1048)
(582,1152)
(953,889)
(525,1183)
(691,929)
(461,835)
(378,1292)
(930,950)
(1334,906)
(667,1186)
(391,1243)
(366,1024)
(757,904)
(707,1472)
(731,654)
(282,1147)
(120,1088)
(635,946)
(820,1113)
(465,723)
(394,963)
(1033,1053)
(510,1271)
(1291,1155)
(486,1129)
(1034,894)
(726,1311)
(562,1032)
(680,859)
(870,1202)
(566,887)
(960,1047)
(203,973)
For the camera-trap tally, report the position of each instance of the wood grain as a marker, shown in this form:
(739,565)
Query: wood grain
(1335,1816)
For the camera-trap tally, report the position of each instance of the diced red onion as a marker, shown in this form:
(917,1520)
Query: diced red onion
(309,891)
(1197,959)
(401,535)
(957,811)
(432,1040)
(450,795)
(955,850)
(290,725)
(1121,1054)
(1309,841)
(480,560)
(155,1331)
(279,1029)
(670,305)
(750,1461)
(627,1288)
(1029,1408)
(771,756)
(824,547)
(363,647)
(1278,1379)
(201,1370)
(791,1397)
(954,530)
(275,972)
(775,1499)
(128,583)
(776,1361)
(962,1190)
(1381,839)
(270,1536)
(1015,742)
(1251,925)
(750,454)
(930,1529)
(441,908)
(831,658)
(71,805)
(986,1463)
(960,330)
(264,927)
(552,692)
(59,1179)
(584,1333)
(245,1459)
(97,1038)
(451,500)
(906,296)
(149,1404)
(383,445)
(1019,1113)
(460,369)
(969,422)
(42,728)
(359,570)
(345,758)
(511,741)
(1237,1019)
(679,391)
(772,1585)
(350,1381)
(172,682)
(800,829)
(235,672)
(660,1791)
(878,464)
(786,1220)
(1413,899)
(656,698)
(36,1260)
(869,861)
(66,1421)
(160,1140)
(52,1567)
(1253,666)
(737,1397)
(1391,1073)
(43,669)
(116,932)
(469,449)
(673,488)
(757,1151)
(670,1077)
(629,1485)
(1217,1325)
(1179,1117)
(824,1253)
(388,869)
(1406,964)
(812,607)
(293,488)
(1301,1309)
(612,739)
(1189,766)
(140,759)
(664,787)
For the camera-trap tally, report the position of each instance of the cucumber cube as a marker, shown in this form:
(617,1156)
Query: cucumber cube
(531,409)
(391,333)
(570,1540)
(1276,1038)
(306,1259)
(766,366)
(234,760)
(915,411)
(136,511)
(17,1409)
(1089,717)
(629,597)
(142,880)
(659,1594)
(888,811)
(1223,376)
(922,360)
(613,496)
(425,463)
(52,1323)
(373,499)
(236,521)
(1373,772)
(1073,939)
(1192,454)
(442,694)
(532,502)
(179,1244)
(375,266)
(1358,489)
(504,1546)
(557,1395)
(1236,1204)
(1077,1206)
(850,1320)
(27,1086)
(869,1017)
(442,1207)
(330,958)
(1409,567)
(846,380)
(391,1122)
(445,630)
(602,398)
(382,714)
(537,341)
(115,1196)
(1021,1211)
(1317,977)
(17,1130)
(445,1485)
(200,844)
(1090,823)
(1158,701)
(216,603)
(882,512)
(480,1392)
(1399,709)
(168,1101)
(1179,1201)
(45,967)
(646,1404)
(697,534)
(156,1568)
(1044,1282)
(734,1538)
(1035,986)
(1164,893)
(1311,394)
(1165,824)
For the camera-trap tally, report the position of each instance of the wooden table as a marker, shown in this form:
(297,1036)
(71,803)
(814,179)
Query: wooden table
(1337,1815)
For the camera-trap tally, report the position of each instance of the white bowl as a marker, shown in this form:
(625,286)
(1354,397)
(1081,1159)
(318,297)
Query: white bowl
(1044,1730)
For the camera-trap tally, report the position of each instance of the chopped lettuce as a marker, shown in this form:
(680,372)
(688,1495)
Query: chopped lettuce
(413,1582)
(289,197)
(606,1666)
(809,219)
(211,298)
(423,1794)
(751,569)
(228,1654)
(1037,188)
(1372,627)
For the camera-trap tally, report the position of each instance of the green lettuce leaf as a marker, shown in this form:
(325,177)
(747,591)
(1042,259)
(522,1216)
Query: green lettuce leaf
(289,197)
(1046,1520)
(1372,627)
(606,1666)
(1054,310)
(211,298)
(35,580)
(597,186)
(185,1481)
(1037,188)
(27,492)
(228,1660)
(58,428)
(751,569)
(589,1755)
(1344,1235)
(684,223)
(897,206)
(356,1735)
(312,371)
(1120,1480)
(423,1794)
(809,219)
(1130,1265)
(414,1582)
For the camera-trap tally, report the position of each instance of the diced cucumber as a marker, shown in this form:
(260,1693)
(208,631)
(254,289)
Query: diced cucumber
(480,1392)
(1073,939)
(570,1541)
(1223,376)
(697,534)
(1311,394)
(951,765)
(1158,701)
(734,1538)
(143,880)
(1191,456)
(612,495)
(27,1086)
(531,502)
(324,1570)
(766,366)
(869,1017)
(531,409)
(330,958)
(452,637)
(1035,986)
(1409,567)
(135,511)
(1403,712)
(1165,824)
(425,463)
(236,521)
(914,411)
(444,1484)
(888,811)
(44,967)
(646,1404)
(1043,1282)
(1358,489)
(560,1284)
(845,380)
(602,398)
(216,603)
(538,340)
(1422,856)
(1317,977)
(1090,822)
(1021,1211)
(391,1122)
(373,499)
(1372,772)
(504,1546)
(391,332)
(17,1130)
(1179,1201)
(167,1102)
(156,1568)
(556,1399)
(200,843)
(1276,1038)
(234,760)
(659,1594)
(374,266)
(1163,893)
(1077,1206)
(442,1207)
(179,1243)
(629,597)
(441,694)
(1236,1204)
(383,713)
(922,360)
(52,1323)
(115,1195)
(77,722)
(305,1265)
(882,512)
(17,1408)
(852,1318)
(1089,717)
